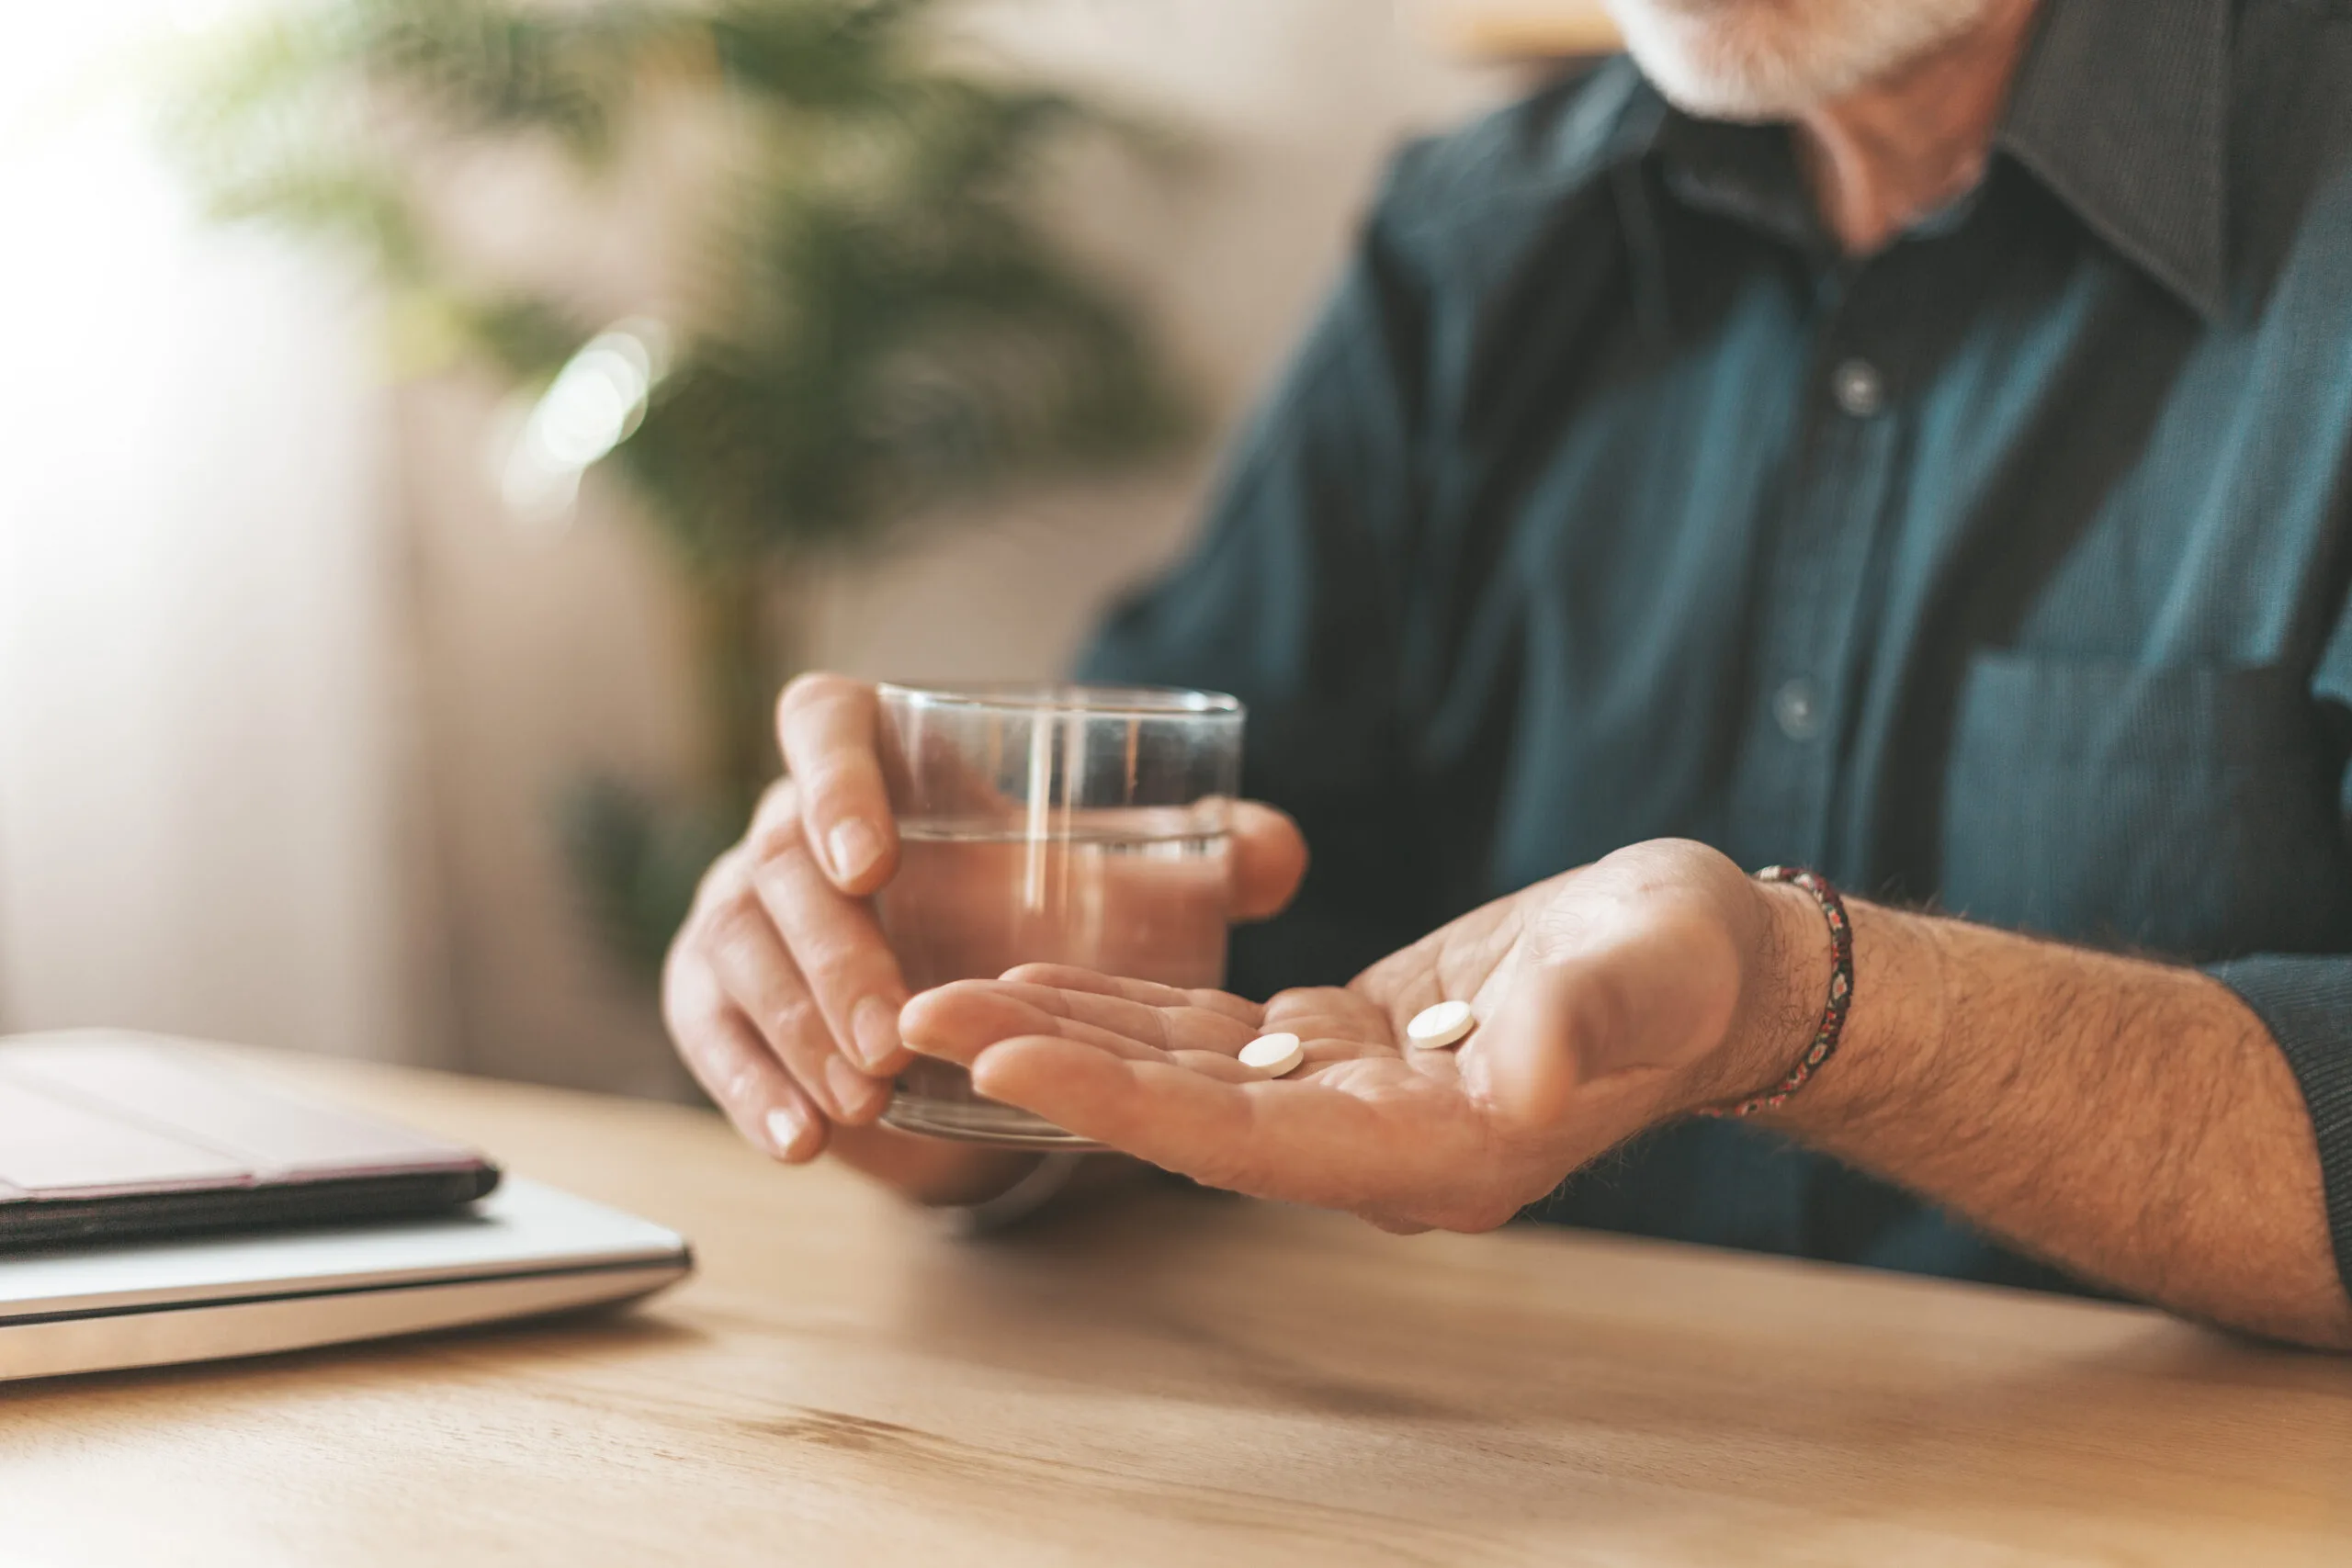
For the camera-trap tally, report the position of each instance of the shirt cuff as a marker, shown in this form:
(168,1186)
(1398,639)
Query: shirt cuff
(2307,1004)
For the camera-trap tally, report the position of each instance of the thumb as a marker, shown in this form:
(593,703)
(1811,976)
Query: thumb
(1269,860)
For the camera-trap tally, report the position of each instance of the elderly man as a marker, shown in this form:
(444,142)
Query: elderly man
(1905,439)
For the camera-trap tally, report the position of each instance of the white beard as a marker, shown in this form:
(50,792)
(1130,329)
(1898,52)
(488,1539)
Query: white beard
(1768,60)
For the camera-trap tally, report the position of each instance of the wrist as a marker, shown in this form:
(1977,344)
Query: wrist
(1893,1036)
(1792,988)
(1784,984)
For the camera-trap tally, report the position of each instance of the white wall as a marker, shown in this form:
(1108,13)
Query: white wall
(200,777)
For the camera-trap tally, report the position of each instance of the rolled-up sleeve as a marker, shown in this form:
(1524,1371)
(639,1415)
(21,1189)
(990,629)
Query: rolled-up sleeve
(2305,1000)
(2306,1003)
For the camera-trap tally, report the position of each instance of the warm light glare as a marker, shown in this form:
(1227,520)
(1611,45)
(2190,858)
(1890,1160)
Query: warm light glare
(591,407)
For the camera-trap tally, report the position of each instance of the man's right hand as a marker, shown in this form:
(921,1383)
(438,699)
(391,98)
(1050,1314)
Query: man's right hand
(780,993)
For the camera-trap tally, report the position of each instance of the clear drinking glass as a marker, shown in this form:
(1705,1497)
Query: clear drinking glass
(1085,825)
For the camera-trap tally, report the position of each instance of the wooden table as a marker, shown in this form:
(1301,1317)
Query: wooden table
(1180,1379)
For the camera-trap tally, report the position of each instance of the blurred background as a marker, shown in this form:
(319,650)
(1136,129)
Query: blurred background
(433,427)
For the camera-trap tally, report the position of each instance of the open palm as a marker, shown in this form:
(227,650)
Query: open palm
(1605,999)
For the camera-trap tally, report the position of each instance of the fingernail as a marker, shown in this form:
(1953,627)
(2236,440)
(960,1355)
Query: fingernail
(855,847)
(788,1125)
(875,1025)
(852,1090)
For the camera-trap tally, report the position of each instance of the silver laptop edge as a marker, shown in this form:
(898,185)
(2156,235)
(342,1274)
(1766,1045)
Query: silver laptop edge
(524,1251)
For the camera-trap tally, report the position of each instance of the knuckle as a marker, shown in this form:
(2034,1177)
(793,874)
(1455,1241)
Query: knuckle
(827,941)
(830,953)
(829,785)
(716,1065)
(782,849)
(831,972)
(725,876)
(796,1015)
(684,993)
(675,965)
(778,814)
(734,924)
(722,1066)
(691,988)
(793,1028)
(712,1057)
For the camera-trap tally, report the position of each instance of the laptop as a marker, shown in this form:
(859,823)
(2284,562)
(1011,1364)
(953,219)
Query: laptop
(140,1227)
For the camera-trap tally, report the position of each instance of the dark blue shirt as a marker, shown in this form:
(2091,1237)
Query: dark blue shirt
(2004,572)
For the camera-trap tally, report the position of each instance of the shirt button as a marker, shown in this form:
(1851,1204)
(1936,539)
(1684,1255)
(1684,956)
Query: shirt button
(1860,389)
(1797,710)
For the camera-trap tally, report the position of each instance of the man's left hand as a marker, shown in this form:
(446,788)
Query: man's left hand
(1610,999)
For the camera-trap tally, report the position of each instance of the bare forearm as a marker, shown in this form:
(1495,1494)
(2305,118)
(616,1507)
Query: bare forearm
(2131,1121)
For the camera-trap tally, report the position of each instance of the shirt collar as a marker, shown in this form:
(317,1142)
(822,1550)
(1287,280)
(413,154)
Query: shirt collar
(2120,108)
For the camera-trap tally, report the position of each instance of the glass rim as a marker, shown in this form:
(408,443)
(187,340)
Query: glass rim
(1067,698)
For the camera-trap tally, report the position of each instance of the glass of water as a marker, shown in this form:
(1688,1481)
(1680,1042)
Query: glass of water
(1085,825)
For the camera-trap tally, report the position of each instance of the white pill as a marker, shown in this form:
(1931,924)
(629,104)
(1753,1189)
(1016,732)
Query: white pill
(1433,1028)
(1274,1054)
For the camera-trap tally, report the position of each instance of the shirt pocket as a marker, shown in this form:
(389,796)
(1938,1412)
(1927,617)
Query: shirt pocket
(2189,811)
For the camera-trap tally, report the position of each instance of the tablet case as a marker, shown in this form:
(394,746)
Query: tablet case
(107,1137)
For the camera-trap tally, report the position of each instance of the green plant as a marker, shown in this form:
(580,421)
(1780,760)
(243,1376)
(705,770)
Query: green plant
(878,316)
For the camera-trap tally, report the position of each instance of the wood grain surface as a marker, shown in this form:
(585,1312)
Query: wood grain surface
(1167,1378)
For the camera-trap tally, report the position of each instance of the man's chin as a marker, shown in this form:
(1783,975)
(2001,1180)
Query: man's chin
(1773,60)
(1711,91)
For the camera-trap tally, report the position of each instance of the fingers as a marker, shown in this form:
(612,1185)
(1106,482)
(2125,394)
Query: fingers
(734,1066)
(1269,860)
(961,1020)
(1182,1027)
(1138,1019)
(1175,1118)
(1070,977)
(825,725)
(837,945)
(740,943)
(1296,1141)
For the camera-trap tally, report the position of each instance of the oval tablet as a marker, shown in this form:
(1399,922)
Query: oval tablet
(1273,1054)
(1433,1028)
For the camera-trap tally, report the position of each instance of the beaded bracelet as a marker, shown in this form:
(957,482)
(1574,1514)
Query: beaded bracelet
(1841,994)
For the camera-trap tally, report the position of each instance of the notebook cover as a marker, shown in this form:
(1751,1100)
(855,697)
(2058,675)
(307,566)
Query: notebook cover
(111,1137)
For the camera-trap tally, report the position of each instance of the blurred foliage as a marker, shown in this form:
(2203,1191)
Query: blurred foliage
(878,316)
(639,866)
